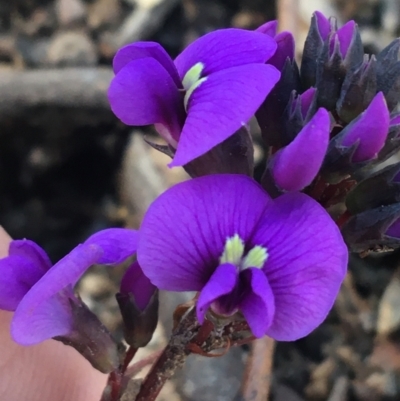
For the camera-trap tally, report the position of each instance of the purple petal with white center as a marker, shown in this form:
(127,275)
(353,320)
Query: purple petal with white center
(324,26)
(135,282)
(258,304)
(143,93)
(345,35)
(306,265)
(138,50)
(285,49)
(222,282)
(19,271)
(221,105)
(184,231)
(269,28)
(370,129)
(295,166)
(44,312)
(117,244)
(225,48)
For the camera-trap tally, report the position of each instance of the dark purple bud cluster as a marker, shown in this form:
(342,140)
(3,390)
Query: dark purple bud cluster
(328,125)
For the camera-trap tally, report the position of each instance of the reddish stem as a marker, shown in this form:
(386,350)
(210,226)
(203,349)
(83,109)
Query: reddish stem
(343,219)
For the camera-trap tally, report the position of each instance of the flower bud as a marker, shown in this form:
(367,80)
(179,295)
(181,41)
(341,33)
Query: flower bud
(388,73)
(358,90)
(295,166)
(358,143)
(298,112)
(138,303)
(365,195)
(270,114)
(373,230)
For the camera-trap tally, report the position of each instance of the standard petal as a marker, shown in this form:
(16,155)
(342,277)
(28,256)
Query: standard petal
(138,50)
(117,244)
(225,48)
(143,93)
(135,282)
(258,304)
(45,309)
(220,106)
(324,25)
(222,282)
(306,265)
(184,231)
(295,166)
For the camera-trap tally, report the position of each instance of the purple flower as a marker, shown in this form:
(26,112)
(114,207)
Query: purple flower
(284,40)
(42,295)
(203,97)
(368,131)
(295,166)
(278,262)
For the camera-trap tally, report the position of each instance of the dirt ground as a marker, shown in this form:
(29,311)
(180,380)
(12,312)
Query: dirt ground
(68,167)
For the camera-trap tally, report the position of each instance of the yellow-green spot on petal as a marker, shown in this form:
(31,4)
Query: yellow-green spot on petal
(192,76)
(255,258)
(190,91)
(233,251)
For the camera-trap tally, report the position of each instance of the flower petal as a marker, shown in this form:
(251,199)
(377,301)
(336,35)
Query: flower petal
(306,265)
(257,305)
(226,48)
(295,166)
(44,311)
(117,244)
(323,24)
(143,93)
(138,50)
(222,282)
(19,271)
(184,231)
(269,28)
(218,107)
(285,49)
(135,282)
(345,35)
(32,251)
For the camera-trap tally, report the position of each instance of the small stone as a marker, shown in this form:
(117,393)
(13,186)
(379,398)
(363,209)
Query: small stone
(389,308)
(69,49)
(69,11)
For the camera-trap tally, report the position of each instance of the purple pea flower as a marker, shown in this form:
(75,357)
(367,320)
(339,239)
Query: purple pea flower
(295,166)
(42,295)
(278,262)
(284,41)
(202,97)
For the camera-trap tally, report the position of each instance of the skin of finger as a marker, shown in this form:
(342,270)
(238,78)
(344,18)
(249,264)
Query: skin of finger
(47,371)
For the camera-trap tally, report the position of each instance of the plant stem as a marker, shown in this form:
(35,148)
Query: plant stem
(172,358)
(257,378)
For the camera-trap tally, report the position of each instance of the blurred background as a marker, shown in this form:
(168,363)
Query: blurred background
(68,167)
